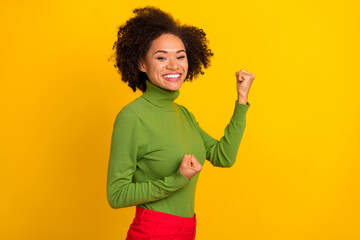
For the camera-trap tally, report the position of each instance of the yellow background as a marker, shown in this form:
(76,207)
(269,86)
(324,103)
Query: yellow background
(297,174)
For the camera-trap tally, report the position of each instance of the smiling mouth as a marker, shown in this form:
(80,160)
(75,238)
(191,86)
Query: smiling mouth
(172,77)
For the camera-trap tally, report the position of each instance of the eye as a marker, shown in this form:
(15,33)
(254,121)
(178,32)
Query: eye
(160,58)
(181,57)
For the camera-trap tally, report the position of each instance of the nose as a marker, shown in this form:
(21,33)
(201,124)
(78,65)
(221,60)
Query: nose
(172,64)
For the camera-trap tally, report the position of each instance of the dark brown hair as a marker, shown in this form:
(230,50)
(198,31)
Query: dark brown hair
(135,37)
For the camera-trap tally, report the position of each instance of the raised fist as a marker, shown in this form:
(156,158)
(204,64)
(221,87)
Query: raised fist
(244,80)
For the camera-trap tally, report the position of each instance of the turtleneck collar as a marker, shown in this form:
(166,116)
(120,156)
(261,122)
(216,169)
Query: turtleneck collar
(160,97)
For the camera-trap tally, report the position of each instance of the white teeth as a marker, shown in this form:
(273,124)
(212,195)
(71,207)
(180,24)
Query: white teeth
(172,76)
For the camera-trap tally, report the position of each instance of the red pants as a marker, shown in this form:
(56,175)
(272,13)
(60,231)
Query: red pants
(155,225)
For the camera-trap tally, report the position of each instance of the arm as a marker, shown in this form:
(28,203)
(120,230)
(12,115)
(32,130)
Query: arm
(223,153)
(128,145)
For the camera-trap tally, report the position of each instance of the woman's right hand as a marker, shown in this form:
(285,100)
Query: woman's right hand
(190,166)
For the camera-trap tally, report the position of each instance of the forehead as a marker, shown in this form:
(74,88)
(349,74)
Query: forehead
(167,42)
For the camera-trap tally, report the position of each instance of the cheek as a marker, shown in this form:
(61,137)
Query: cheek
(185,65)
(155,68)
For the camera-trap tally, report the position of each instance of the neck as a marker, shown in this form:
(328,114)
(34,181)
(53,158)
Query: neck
(160,97)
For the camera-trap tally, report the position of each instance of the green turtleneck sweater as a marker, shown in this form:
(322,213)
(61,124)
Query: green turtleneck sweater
(150,137)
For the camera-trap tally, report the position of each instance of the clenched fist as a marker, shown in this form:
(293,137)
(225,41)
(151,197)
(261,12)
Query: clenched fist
(244,80)
(189,166)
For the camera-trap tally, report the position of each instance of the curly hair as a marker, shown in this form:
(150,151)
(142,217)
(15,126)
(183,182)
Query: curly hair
(135,37)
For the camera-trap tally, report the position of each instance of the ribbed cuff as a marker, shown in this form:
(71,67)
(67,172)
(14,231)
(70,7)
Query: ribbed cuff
(240,111)
(181,179)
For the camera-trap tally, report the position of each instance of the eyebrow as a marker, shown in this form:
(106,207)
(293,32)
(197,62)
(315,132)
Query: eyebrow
(163,51)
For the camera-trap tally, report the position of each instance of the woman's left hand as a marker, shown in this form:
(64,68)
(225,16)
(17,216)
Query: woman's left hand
(244,80)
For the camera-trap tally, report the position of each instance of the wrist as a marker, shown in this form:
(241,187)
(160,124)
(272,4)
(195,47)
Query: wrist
(242,100)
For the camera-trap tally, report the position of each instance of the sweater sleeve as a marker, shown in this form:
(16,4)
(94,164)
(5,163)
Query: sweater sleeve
(128,144)
(223,153)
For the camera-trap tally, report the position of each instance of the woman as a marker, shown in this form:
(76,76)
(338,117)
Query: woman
(157,147)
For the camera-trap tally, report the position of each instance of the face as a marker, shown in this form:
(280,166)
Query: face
(166,63)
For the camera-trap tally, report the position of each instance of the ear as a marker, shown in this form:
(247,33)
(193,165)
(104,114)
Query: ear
(142,66)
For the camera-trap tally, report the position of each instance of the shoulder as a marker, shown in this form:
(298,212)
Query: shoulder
(186,112)
(128,113)
(182,108)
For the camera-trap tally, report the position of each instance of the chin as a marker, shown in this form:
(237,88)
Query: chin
(173,86)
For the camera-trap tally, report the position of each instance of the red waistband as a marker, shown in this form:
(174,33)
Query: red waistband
(143,214)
